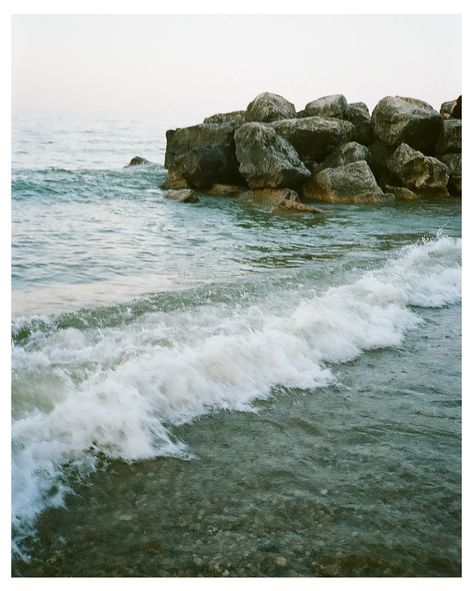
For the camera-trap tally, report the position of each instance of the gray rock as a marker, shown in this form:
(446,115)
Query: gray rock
(267,159)
(446,109)
(380,154)
(361,107)
(334,105)
(180,141)
(201,155)
(399,120)
(418,172)
(345,154)
(138,161)
(401,193)
(454,165)
(457,108)
(268,107)
(450,138)
(359,115)
(203,166)
(314,138)
(352,183)
(182,195)
(235,118)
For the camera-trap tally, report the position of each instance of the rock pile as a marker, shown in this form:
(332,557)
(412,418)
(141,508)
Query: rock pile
(331,151)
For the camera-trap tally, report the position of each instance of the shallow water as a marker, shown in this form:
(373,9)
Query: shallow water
(214,389)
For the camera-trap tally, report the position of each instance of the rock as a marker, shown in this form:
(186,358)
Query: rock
(359,116)
(454,165)
(267,159)
(268,107)
(204,166)
(275,199)
(314,138)
(399,120)
(446,109)
(219,189)
(450,138)
(418,172)
(380,154)
(457,108)
(180,141)
(345,154)
(299,206)
(268,197)
(235,118)
(182,195)
(138,161)
(352,183)
(174,180)
(201,155)
(360,107)
(334,105)
(401,193)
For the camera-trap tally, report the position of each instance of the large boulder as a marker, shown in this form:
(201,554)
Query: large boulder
(379,156)
(346,154)
(457,108)
(399,120)
(454,165)
(267,159)
(352,183)
(447,108)
(334,105)
(179,141)
(360,107)
(235,118)
(193,152)
(314,138)
(203,166)
(359,115)
(423,174)
(450,139)
(401,193)
(267,107)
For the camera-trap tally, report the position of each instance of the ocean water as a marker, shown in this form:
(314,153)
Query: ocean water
(215,389)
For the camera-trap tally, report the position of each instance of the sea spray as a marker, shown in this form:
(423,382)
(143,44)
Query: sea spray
(117,390)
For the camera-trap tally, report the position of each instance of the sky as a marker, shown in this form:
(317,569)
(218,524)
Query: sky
(189,66)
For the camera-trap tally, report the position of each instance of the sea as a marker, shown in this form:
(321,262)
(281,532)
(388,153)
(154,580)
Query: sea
(222,390)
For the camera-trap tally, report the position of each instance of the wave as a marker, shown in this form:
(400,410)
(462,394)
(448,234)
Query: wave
(116,390)
(84,183)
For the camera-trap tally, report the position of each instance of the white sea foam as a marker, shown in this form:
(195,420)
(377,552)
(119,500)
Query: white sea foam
(118,390)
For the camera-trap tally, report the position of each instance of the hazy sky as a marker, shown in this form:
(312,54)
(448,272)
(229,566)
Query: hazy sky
(190,66)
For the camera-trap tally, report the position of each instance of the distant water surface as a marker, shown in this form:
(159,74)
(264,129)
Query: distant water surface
(215,389)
